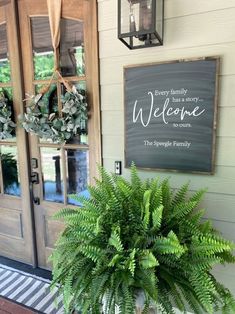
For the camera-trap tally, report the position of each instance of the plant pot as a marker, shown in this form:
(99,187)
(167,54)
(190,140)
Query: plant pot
(139,304)
(151,311)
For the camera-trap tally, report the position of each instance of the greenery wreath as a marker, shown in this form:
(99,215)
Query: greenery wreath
(7,125)
(51,125)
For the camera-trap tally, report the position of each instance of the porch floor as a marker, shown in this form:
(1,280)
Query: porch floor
(32,292)
(10,307)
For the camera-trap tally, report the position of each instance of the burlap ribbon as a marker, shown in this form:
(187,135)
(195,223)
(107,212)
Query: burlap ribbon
(54,12)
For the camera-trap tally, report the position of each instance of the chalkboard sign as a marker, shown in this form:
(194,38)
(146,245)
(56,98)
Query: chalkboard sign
(170,115)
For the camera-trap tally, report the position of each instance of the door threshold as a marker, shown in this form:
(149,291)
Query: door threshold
(39,272)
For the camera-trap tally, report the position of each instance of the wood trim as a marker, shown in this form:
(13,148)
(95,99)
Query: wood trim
(66,146)
(64,174)
(2,17)
(170,61)
(69,79)
(73,9)
(70,8)
(92,72)
(5,84)
(1,178)
(24,23)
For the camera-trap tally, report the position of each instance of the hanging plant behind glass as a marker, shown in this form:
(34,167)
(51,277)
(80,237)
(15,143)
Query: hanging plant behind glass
(7,125)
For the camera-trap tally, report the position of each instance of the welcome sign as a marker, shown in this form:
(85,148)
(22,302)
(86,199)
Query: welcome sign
(170,115)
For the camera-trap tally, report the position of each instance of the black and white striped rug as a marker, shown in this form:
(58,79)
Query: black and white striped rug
(29,290)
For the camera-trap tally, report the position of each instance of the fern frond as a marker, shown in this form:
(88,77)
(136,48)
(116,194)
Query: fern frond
(204,288)
(196,217)
(147,260)
(209,245)
(115,240)
(197,196)
(135,180)
(92,252)
(157,218)
(166,195)
(128,304)
(180,195)
(147,281)
(169,245)
(146,205)
(181,210)
(165,302)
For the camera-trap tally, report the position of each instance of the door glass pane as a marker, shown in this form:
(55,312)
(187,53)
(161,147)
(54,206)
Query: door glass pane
(53,186)
(72,48)
(10,173)
(77,170)
(5,71)
(7,93)
(43,56)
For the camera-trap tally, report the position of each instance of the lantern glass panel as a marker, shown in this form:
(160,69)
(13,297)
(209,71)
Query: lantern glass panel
(159,17)
(136,15)
(145,15)
(125,16)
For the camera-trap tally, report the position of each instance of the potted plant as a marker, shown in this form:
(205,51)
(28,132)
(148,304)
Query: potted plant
(138,242)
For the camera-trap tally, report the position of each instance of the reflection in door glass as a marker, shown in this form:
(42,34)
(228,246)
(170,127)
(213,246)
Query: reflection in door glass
(72,48)
(42,47)
(10,173)
(53,186)
(5,71)
(50,100)
(77,169)
(7,94)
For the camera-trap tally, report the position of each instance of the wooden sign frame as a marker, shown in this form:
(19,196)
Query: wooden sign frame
(129,81)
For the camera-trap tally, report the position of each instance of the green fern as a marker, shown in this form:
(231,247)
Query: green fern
(139,236)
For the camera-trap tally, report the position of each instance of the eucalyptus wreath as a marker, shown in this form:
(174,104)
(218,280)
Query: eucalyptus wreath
(7,125)
(39,120)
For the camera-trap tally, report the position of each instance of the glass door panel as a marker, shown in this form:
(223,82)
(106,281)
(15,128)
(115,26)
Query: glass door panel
(52,179)
(10,170)
(72,56)
(5,71)
(77,174)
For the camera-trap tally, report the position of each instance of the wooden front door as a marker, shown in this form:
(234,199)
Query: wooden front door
(47,173)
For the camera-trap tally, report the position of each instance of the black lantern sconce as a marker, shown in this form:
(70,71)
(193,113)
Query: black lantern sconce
(140,23)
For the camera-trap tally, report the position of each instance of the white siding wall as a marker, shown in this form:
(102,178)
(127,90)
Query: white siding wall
(192,29)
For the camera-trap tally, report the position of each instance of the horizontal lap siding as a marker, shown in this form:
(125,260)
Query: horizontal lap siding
(192,29)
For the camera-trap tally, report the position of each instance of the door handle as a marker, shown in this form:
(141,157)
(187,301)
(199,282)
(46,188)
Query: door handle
(36,200)
(34,178)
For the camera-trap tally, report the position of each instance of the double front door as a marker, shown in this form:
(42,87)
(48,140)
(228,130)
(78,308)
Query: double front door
(37,177)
